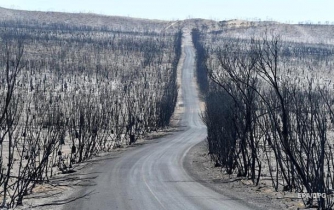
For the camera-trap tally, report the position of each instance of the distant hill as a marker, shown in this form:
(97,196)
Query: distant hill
(307,33)
(310,33)
(82,19)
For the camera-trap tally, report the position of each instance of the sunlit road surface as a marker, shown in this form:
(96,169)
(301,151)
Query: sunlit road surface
(152,176)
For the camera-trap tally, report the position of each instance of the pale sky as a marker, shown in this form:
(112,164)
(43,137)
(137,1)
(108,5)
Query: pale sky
(279,10)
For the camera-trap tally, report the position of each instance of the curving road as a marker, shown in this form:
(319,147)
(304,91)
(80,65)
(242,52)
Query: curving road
(152,176)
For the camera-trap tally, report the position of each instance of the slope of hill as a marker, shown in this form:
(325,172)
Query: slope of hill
(232,28)
(307,33)
(83,19)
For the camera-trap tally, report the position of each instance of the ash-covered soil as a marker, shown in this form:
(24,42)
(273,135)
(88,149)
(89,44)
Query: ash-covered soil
(200,167)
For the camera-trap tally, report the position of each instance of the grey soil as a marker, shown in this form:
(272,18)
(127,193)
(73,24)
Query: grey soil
(201,168)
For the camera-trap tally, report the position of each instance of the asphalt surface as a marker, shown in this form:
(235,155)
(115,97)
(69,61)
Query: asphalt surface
(152,176)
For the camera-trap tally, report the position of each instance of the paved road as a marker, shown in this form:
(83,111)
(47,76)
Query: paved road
(152,176)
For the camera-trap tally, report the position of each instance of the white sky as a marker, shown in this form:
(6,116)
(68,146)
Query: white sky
(279,10)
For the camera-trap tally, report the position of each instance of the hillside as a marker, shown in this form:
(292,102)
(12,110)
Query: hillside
(306,33)
(231,28)
(82,19)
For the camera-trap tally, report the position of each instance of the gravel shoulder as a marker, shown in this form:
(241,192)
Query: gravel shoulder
(198,165)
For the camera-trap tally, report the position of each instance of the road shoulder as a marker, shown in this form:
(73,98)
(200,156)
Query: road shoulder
(198,165)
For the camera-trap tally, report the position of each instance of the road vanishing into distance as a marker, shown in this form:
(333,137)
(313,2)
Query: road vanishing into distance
(152,176)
